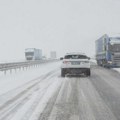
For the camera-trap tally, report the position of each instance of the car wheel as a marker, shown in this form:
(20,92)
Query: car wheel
(88,72)
(62,73)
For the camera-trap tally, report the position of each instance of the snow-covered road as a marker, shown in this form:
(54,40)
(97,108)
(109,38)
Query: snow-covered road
(22,91)
(20,77)
(42,94)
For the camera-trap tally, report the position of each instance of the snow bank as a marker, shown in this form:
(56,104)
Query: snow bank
(18,78)
(116,69)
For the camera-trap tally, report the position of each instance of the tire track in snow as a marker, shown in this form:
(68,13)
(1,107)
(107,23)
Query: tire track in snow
(10,106)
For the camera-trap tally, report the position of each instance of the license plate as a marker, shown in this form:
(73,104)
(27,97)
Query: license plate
(75,63)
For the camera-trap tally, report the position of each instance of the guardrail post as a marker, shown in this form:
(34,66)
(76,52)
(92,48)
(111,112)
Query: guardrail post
(19,68)
(5,72)
(10,71)
(15,70)
(21,65)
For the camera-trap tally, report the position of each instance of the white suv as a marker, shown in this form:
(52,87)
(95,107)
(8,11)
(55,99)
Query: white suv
(75,63)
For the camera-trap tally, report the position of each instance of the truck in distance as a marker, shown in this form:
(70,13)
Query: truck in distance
(33,54)
(108,51)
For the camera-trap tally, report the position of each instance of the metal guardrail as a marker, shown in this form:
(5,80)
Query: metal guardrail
(21,65)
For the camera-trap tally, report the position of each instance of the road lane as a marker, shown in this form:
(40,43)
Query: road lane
(107,84)
(73,98)
(87,98)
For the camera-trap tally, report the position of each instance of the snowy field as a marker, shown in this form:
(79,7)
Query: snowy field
(20,77)
(23,91)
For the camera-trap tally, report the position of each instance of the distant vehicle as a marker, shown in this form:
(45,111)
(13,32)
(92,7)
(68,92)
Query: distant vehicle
(33,54)
(75,64)
(53,55)
(61,58)
(108,51)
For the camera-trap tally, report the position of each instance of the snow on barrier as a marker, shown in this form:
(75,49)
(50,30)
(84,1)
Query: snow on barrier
(22,65)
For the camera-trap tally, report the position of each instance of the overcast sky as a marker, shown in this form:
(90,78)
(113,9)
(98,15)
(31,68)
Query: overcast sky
(59,25)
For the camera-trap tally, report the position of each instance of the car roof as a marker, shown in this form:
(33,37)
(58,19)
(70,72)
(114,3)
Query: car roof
(75,53)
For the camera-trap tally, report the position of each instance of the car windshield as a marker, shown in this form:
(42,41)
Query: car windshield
(29,53)
(75,57)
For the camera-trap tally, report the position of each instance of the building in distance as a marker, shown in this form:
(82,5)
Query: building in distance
(53,55)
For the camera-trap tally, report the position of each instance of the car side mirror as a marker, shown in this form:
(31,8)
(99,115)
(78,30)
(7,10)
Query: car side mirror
(61,58)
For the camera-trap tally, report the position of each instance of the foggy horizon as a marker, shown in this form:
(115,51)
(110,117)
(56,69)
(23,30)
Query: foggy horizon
(62,26)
